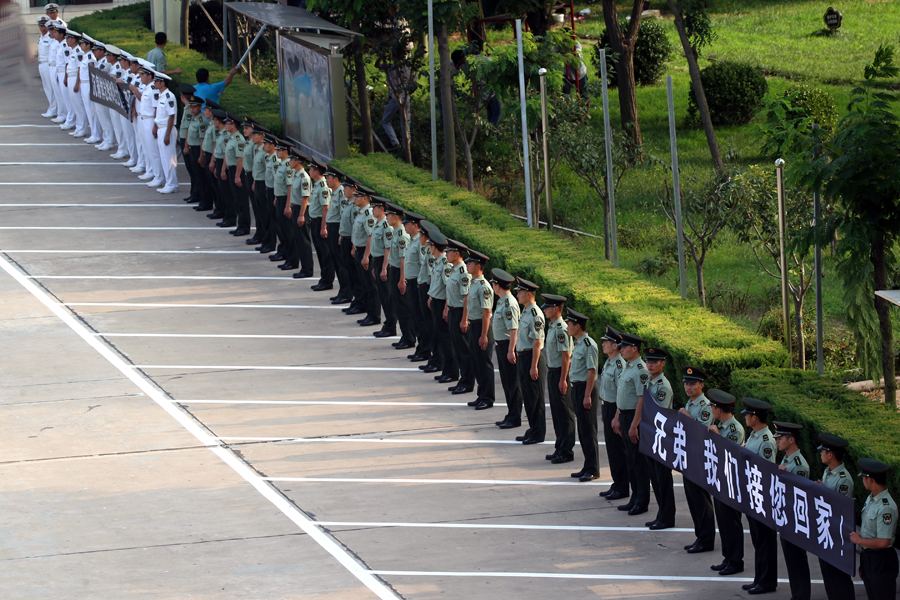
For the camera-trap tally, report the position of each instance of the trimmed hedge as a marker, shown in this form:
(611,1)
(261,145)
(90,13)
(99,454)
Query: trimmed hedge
(822,404)
(127,28)
(693,335)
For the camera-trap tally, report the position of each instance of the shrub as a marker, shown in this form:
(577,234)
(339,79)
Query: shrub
(793,113)
(652,51)
(822,404)
(574,269)
(734,93)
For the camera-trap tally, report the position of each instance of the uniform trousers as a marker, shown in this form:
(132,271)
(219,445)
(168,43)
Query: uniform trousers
(64,94)
(356,291)
(257,191)
(369,301)
(345,289)
(198,180)
(90,111)
(426,325)
(459,343)
(563,414)
(878,569)
(586,420)
(81,124)
(615,450)
(323,252)
(59,104)
(664,492)
(109,136)
(401,306)
(270,208)
(241,199)
(130,147)
(765,559)
(382,290)
(797,563)
(482,362)
(168,156)
(225,192)
(448,364)
(151,146)
(44,71)
(138,138)
(212,182)
(509,380)
(636,463)
(533,393)
(284,227)
(838,585)
(301,249)
(731,532)
(701,508)
(120,138)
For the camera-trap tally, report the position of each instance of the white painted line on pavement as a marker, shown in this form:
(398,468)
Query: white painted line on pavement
(372,440)
(504,526)
(57,205)
(117,228)
(452,481)
(60,144)
(74,164)
(42,183)
(165,277)
(161,305)
(322,402)
(574,576)
(265,368)
(130,252)
(227,456)
(30,125)
(249,336)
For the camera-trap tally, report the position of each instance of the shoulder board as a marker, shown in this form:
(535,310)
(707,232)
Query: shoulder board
(765,437)
(885,501)
(843,474)
(641,366)
(587,341)
(703,403)
(731,427)
(797,460)
(533,311)
(619,363)
(559,325)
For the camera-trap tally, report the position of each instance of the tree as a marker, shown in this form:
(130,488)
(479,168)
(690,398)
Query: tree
(623,45)
(703,215)
(695,31)
(858,168)
(756,223)
(535,12)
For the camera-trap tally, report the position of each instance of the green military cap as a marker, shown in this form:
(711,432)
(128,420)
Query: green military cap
(230,118)
(438,239)
(478,257)
(281,144)
(211,105)
(501,276)
(392,209)
(332,172)
(194,101)
(552,300)
(785,428)
(314,164)
(689,374)
(456,246)
(293,154)
(525,285)
(378,201)
(428,228)
(869,467)
(752,406)
(611,335)
(655,354)
(349,182)
(411,217)
(577,318)
(219,114)
(629,339)
(186,89)
(721,399)
(830,442)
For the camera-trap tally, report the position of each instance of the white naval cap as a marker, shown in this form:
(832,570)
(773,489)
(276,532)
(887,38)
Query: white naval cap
(161,76)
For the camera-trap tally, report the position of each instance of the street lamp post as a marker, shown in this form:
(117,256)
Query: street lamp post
(545,124)
(785,308)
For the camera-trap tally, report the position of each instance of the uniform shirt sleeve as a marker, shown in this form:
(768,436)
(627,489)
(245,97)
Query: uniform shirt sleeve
(465,281)
(536,332)
(369,223)
(446,271)
(768,449)
(705,415)
(485,297)
(511,315)
(732,433)
(325,196)
(591,357)
(885,521)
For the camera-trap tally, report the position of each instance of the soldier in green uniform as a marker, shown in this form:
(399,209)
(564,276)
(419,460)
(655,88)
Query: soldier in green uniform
(558,347)
(787,436)
(211,200)
(430,349)
(394,256)
(332,221)
(297,227)
(731,531)
(765,541)
(660,475)
(838,585)
(265,230)
(220,172)
(530,363)
(278,223)
(319,202)
(250,148)
(283,176)
(361,237)
(349,212)
(505,326)
(479,303)
(193,137)
(437,303)
(408,286)
(583,374)
(187,116)
(878,566)
(698,499)
(629,397)
(234,163)
(609,385)
(457,281)
(379,240)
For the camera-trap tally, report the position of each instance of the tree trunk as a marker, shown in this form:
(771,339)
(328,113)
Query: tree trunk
(443,40)
(884,320)
(623,45)
(404,126)
(479,31)
(349,91)
(699,94)
(185,19)
(362,93)
(538,22)
(701,284)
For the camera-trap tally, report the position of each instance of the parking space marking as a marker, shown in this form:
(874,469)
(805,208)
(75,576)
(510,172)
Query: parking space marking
(351,440)
(487,482)
(175,305)
(273,368)
(130,252)
(644,577)
(247,336)
(322,402)
(637,529)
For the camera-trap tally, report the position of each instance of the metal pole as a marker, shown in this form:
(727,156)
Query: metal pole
(610,183)
(256,39)
(785,309)
(224,36)
(676,188)
(525,154)
(165,19)
(545,125)
(434,155)
(820,320)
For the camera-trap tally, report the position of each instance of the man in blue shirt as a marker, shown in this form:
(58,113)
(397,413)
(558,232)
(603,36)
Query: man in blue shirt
(211,91)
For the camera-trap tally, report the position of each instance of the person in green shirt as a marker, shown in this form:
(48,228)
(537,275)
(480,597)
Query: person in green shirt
(393,259)
(731,531)
(479,302)
(186,92)
(283,176)
(838,585)
(583,374)
(277,222)
(219,170)
(265,229)
(378,242)
(195,127)
(437,303)
(212,201)
(531,364)
(408,286)
(796,560)
(505,325)
(660,475)
(878,566)
(298,226)
(319,203)
(629,398)
(332,220)
(457,281)
(608,381)
(427,352)
(349,212)
(247,177)
(361,237)
(698,499)
(234,167)
(558,349)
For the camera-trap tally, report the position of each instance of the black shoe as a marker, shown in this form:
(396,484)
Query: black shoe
(509,424)
(616,496)
(637,510)
(561,458)
(606,493)
(758,589)
(322,288)
(747,586)
(419,357)
(660,525)
(286,266)
(473,403)
(689,546)
(461,390)
(370,322)
(697,549)
(240,232)
(431,369)
(524,436)
(201,208)
(587,477)
(626,507)
(731,570)
(252,241)
(301,275)
(412,357)
(226,223)
(342,301)
(651,523)
(719,567)
(402,345)
(265,249)
(276,257)
(531,440)
(215,215)
(447,379)
(577,475)
(385,333)
(355,311)
(552,456)
(484,405)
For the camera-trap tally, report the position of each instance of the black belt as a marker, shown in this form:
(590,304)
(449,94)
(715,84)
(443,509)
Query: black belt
(525,351)
(556,369)
(627,410)
(475,320)
(875,550)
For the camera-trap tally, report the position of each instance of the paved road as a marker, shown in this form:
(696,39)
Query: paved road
(178,419)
